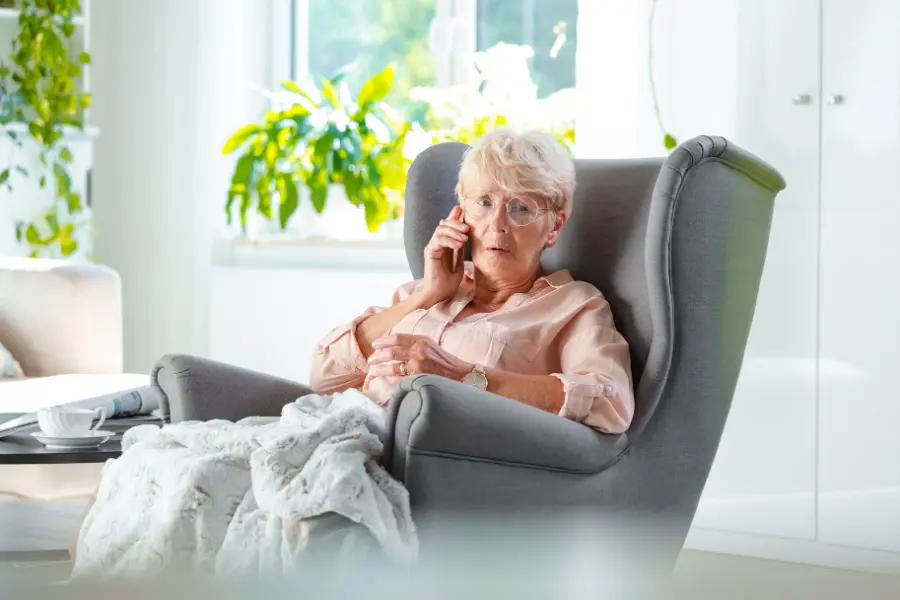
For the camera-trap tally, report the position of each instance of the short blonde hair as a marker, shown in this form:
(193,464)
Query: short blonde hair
(530,163)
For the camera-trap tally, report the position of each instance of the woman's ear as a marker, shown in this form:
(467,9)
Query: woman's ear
(553,235)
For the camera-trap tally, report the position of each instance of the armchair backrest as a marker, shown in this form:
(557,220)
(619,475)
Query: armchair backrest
(676,246)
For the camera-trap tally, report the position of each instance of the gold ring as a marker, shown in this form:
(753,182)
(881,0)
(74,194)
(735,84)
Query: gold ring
(403,369)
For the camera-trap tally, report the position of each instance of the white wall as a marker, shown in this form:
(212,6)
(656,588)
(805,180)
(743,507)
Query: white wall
(269,319)
(695,61)
(170,82)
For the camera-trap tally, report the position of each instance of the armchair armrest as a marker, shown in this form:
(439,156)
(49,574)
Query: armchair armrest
(199,389)
(433,416)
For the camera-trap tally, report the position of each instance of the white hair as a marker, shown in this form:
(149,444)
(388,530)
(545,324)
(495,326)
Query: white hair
(530,163)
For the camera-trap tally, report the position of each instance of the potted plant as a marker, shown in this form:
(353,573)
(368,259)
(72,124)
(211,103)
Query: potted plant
(318,140)
(503,92)
(40,100)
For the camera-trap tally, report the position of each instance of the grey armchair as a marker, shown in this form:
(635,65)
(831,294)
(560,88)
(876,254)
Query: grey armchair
(677,246)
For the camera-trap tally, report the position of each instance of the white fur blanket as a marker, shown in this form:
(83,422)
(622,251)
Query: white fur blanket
(242,499)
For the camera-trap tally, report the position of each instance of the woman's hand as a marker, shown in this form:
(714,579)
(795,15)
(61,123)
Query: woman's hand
(440,283)
(399,355)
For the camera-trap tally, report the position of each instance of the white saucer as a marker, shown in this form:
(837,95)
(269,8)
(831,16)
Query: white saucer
(91,440)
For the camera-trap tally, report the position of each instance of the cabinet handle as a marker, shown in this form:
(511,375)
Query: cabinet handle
(834,100)
(801,99)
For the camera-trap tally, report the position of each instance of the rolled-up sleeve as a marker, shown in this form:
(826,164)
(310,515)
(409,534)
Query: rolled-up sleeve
(338,362)
(596,371)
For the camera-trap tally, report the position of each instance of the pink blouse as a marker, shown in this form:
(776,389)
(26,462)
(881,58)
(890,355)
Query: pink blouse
(561,327)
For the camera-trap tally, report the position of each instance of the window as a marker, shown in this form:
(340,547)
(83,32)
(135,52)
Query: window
(547,26)
(432,42)
(369,35)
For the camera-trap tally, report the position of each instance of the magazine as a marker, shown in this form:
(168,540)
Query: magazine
(116,394)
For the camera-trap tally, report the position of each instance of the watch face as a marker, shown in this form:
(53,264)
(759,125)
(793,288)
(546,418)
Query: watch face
(477,379)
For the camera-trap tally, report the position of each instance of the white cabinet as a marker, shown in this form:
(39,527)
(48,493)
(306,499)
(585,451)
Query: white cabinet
(859,398)
(811,451)
(764,476)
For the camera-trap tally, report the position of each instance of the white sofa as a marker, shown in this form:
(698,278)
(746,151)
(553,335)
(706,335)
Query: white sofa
(56,318)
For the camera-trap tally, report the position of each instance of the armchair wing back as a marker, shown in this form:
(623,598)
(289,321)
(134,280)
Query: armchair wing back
(677,246)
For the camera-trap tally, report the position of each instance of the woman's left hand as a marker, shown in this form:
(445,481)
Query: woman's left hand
(399,355)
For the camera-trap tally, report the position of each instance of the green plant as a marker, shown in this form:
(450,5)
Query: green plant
(503,93)
(38,88)
(322,136)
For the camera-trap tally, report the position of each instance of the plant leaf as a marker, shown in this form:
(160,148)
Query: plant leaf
(228,204)
(264,205)
(670,142)
(53,223)
(68,246)
(289,202)
(245,207)
(293,87)
(330,93)
(22,170)
(84,58)
(324,144)
(351,186)
(341,74)
(20,231)
(73,203)
(4,176)
(318,189)
(65,155)
(239,137)
(63,181)
(32,236)
(271,153)
(376,210)
(376,88)
(242,170)
(296,111)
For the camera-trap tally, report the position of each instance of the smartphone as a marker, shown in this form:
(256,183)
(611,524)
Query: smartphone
(455,251)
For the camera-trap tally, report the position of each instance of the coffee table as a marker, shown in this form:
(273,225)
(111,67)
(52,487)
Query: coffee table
(22,449)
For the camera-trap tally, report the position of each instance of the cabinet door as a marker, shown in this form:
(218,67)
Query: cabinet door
(859,399)
(763,478)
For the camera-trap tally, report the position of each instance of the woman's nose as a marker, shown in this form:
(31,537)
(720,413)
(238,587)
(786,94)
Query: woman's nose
(500,219)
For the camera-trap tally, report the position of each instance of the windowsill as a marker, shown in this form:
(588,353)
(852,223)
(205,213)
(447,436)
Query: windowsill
(280,251)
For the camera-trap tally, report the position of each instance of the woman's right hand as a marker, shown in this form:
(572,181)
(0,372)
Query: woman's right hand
(440,283)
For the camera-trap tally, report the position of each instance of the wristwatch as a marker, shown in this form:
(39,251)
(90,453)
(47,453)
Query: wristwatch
(476,377)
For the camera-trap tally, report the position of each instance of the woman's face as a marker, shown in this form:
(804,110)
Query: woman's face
(508,233)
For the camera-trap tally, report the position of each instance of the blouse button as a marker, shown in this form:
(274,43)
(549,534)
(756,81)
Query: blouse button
(608,390)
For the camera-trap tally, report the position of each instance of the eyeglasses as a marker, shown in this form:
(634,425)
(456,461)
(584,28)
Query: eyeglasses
(521,211)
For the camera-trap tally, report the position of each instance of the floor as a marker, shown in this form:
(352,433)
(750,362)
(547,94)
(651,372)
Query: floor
(736,577)
(699,575)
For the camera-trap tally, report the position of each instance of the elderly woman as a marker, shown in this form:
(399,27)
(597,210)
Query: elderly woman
(499,323)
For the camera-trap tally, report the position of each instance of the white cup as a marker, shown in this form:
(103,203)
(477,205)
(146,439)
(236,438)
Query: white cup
(62,421)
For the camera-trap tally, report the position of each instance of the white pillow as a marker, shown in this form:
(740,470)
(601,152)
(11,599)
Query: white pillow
(9,368)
